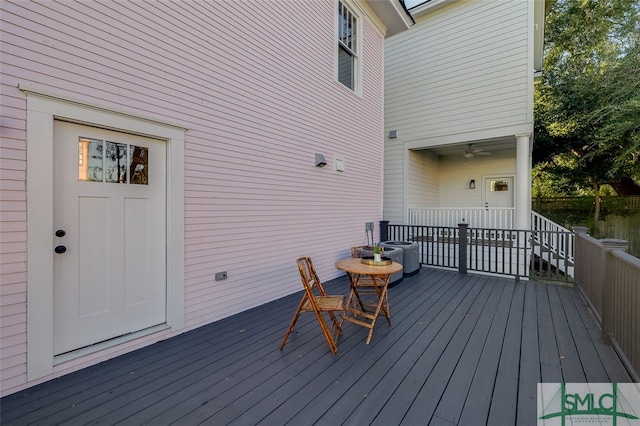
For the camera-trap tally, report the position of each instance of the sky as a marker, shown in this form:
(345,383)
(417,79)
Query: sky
(411,3)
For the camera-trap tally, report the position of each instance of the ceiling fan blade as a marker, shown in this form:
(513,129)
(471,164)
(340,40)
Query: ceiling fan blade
(471,152)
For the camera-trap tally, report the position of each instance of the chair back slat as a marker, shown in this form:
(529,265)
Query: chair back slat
(309,277)
(355,251)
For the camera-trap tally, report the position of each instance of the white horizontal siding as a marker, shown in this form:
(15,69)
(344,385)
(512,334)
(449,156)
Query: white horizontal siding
(460,69)
(394,181)
(255,87)
(457,171)
(424,179)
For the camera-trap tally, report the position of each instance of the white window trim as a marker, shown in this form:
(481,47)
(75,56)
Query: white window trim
(359,14)
(43,108)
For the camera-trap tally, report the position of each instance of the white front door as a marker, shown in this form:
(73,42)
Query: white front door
(109,221)
(498,192)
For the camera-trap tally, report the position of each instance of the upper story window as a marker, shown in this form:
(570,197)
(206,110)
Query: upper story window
(348,47)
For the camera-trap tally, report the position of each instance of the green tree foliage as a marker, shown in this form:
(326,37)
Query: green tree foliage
(587,104)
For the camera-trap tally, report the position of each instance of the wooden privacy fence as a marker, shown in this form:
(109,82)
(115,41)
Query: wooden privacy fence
(613,203)
(609,277)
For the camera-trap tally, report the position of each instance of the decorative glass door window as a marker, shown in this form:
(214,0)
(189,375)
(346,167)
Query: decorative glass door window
(499,185)
(105,161)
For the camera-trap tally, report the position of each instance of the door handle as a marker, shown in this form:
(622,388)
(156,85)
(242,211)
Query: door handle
(60,249)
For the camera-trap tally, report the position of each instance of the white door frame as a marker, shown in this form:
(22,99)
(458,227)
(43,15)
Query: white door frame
(43,108)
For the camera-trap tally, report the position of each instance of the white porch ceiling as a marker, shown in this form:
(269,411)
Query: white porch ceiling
(492,146)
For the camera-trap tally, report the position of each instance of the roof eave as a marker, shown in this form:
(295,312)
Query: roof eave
(392,14)
(538,35)
(428,6)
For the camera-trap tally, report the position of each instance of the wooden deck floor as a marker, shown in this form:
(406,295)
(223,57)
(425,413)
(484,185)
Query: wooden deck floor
(463,349)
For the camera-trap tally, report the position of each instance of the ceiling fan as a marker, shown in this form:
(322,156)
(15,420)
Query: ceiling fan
(470,152)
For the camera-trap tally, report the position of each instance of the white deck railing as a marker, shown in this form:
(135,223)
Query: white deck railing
(560,242)
(475,217)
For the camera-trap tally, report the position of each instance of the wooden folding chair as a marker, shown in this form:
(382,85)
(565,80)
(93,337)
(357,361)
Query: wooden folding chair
(316,300)
(355,251)
(357,254)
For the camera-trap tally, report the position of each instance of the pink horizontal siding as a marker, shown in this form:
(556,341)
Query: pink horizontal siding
(13,240)
(255,86)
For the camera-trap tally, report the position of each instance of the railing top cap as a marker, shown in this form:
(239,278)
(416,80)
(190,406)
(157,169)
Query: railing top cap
(614,242)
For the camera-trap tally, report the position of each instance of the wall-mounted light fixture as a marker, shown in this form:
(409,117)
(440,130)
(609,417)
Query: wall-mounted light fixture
(472,184)
(320,161)
(393,134)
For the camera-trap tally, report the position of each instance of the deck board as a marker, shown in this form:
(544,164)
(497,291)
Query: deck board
(449,409)
(529,357)
(505,395)
(550,370)
(478,401)
(459,326)
(462,349)
(437,329)
(612,367)
(572,371)
(592,367)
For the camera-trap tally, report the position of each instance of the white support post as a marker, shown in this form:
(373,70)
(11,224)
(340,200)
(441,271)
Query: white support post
(523,181)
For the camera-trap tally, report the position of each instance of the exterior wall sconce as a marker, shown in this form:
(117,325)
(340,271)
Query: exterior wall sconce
(393,134)
(472,184)
(320,161)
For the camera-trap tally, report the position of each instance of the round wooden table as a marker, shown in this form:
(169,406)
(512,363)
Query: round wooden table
(366,302)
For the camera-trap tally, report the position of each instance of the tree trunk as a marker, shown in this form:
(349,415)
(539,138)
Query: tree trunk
(596,193)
